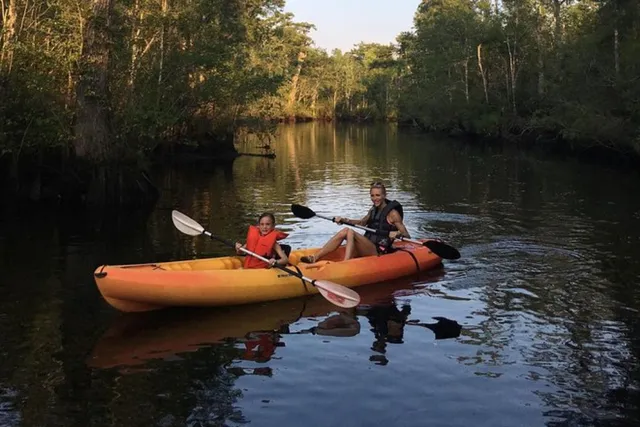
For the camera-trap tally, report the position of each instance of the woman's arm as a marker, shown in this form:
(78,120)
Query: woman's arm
(361,221)
(395,219)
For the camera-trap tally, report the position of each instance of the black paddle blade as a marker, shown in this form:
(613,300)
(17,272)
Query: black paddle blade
(302,211)
(442,249)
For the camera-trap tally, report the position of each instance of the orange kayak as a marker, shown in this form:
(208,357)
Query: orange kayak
(222,281)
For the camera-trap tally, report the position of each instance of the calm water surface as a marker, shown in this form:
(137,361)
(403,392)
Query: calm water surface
(546,292)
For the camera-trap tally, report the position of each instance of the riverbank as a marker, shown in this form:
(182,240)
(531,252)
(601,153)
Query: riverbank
(621,154)
(55,176)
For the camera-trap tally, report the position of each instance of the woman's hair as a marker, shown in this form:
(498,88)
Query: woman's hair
(267,214)
(380,185)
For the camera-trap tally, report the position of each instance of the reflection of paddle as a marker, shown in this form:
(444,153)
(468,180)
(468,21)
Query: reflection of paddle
(337,294)
(437,247)
(444,328)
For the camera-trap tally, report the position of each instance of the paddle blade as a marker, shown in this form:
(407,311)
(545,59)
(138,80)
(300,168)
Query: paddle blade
(302,211)
(445,328)
(337,294)
(186,224)
(442,249)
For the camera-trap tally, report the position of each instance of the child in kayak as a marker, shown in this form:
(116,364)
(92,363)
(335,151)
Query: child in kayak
(262,240)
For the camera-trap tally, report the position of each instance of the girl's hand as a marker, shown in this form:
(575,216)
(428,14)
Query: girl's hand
(238,247)
(272,262)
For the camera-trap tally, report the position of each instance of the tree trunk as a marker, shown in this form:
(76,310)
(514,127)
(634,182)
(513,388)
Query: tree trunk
(558,22)
(540,76)
(9,15)
(616,45)
(165,9)
(93,130)
(512,73)
(135,34)
(294,85)
(466,80)
(616,51)
(314,101)
(540,60)
(482,73)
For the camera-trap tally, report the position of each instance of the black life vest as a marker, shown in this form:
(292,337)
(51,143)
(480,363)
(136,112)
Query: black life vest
(378,221)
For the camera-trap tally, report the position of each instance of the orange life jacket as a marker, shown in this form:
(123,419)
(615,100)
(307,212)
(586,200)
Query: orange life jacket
(261,245)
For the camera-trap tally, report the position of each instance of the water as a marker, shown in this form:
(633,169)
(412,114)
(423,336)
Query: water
(546,292)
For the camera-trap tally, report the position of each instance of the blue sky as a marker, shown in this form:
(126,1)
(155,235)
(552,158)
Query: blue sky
(343,23)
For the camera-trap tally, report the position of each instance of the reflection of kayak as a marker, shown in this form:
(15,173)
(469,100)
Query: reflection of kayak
(134,339)
(222,281)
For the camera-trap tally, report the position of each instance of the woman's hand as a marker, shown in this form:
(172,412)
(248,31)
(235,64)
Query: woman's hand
(272,262)
(238,247)
(341,220)
(395,235)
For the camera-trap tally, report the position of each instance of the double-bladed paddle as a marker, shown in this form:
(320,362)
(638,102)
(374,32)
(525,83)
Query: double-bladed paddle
(437,247)
(334,293)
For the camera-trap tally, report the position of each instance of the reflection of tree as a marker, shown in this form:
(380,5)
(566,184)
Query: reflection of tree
(32,335)
(200,390)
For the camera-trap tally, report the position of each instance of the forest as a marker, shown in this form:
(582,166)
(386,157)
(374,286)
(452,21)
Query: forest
(91,91)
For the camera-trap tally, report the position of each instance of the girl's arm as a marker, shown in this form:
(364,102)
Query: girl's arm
(284,260)
(238,246)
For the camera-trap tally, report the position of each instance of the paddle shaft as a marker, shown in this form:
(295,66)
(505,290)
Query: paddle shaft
(371,230)
(248,252)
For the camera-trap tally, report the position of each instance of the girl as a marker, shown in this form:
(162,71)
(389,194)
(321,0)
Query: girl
(262,240)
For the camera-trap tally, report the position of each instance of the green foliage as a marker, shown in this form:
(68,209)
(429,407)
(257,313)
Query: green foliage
(563,67)
(199,68)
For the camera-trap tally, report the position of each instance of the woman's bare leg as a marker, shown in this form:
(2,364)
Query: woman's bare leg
(361,246)
(349,250)
(333,244)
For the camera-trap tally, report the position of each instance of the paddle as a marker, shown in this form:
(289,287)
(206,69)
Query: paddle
(334,293)
(437,247)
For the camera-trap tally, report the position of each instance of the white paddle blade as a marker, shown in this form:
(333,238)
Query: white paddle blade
(186,224)
(337,294)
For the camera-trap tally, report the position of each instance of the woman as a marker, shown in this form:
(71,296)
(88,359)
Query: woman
(384,215)
(262,240)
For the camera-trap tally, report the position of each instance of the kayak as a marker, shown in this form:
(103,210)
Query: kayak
(222,281)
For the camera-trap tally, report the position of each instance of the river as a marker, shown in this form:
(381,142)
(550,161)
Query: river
(546,292)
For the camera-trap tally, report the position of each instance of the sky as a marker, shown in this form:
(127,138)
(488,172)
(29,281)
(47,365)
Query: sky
(343,23)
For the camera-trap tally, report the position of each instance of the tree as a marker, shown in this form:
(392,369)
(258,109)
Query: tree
(93,139)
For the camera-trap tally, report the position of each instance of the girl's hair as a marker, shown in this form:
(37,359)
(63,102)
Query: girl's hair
(378,184)
(267,214)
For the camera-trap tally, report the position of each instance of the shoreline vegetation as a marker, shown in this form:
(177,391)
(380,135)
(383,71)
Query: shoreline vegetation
(93,93)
